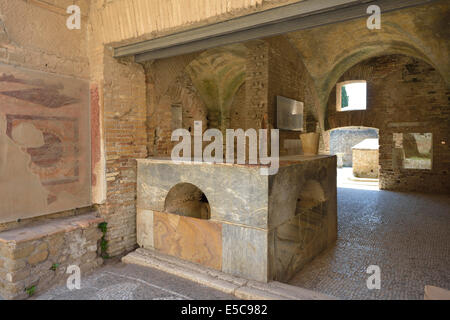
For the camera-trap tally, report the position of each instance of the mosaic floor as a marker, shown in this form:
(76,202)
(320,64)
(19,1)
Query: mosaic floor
(119,281)
(406,234)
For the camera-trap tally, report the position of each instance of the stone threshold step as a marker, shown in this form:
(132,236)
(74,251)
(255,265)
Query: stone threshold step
(356,179)
(241,288)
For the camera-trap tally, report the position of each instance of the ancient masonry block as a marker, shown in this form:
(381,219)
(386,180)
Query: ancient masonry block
(365,159)
(240,222)
(37,256)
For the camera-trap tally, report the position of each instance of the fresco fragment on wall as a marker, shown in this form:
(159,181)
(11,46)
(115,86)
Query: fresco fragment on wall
(44,143)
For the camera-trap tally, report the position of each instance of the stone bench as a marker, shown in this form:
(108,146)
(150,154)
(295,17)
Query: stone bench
(35,257)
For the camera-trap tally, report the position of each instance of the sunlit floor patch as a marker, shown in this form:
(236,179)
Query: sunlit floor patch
(345,179)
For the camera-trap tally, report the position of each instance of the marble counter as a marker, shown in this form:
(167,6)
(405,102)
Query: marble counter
(269,226)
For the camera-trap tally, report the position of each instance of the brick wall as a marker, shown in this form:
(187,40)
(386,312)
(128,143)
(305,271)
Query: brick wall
(168,84)
(403,95)
(365,163)
(273,68)
(36,258)
(125,140)
(288,77)
(256,86)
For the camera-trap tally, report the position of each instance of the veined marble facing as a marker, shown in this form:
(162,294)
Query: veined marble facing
(144,226)
(191,239)
(245,252)
(235,194)
(261,227)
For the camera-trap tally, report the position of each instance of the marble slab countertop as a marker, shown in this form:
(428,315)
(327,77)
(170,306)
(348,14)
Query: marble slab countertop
(283,161)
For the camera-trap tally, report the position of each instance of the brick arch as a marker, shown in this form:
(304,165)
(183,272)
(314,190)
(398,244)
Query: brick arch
(342,139)
(355,57)
(186,199)
(405,95)
(364,71)
(161,201)
(356,118)
(217,74)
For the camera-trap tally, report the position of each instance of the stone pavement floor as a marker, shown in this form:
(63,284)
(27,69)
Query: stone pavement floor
(119,281)
(406,234)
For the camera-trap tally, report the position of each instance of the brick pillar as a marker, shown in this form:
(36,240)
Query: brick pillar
(125,139)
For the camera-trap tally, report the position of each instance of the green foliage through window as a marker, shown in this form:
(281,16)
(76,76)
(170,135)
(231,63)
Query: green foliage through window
(344,95)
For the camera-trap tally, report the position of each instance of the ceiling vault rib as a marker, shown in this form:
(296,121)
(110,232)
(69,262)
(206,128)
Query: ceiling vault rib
(298,16)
